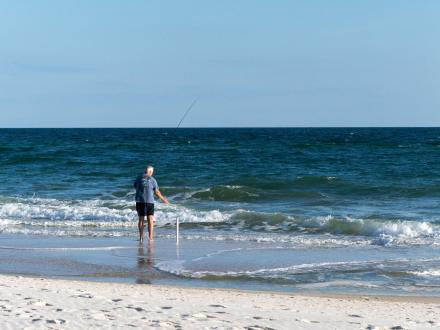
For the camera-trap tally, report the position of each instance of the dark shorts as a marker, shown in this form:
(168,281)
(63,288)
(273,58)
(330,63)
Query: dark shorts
(144,209)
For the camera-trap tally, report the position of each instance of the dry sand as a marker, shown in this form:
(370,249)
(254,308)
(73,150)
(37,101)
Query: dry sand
(37,303)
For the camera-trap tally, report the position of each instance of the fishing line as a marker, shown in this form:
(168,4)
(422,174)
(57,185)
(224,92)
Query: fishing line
(178,125)
(164,152)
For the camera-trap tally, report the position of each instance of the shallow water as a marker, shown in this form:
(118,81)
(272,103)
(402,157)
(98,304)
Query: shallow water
(285,209)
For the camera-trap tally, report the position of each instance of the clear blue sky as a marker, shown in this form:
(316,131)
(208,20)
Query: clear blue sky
(90,63)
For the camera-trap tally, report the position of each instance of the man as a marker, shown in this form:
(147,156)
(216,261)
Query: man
(146,186)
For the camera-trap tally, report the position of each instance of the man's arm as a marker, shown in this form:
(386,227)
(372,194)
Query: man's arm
(135,183)
(163,198)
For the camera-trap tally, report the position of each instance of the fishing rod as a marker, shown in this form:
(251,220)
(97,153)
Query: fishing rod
(178,125)
(166,150)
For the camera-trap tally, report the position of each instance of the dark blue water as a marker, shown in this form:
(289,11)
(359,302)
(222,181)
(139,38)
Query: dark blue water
(375,190)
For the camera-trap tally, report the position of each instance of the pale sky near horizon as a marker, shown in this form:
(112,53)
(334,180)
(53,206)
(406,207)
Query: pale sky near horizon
(90,63)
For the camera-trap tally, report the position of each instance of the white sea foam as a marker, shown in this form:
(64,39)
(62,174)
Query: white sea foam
(171,266)
(64,233)
(427,273)
(189,195)
(101,248)
(233,186)
(115,217)
(298,241)
(94,213)
(59,210)
(176,267)
(383,232)
(92,218)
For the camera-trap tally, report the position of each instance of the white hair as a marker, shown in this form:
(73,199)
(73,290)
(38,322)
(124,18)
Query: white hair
(149,167)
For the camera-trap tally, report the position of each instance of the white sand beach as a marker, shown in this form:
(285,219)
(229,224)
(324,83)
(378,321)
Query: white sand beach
(39,303)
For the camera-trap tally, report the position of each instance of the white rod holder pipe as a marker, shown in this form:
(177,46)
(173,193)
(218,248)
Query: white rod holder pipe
(177,231)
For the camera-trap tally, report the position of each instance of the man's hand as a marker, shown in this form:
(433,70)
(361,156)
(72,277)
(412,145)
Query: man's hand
(163,198)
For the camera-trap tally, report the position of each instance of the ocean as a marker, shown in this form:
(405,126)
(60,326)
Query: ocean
(353,210)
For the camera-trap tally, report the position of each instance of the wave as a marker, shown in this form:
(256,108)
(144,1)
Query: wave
(238,193)
(311,188)
(297,182)
(99,217)
(65,233)
(379,231)
(53,209)
(94,213)
(95,218)
(229,193)
(177,267)
(294,241)
(426,273)
(101,248)
(383,230)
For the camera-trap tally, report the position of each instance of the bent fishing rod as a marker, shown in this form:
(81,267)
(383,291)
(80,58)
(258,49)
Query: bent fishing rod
(178,125)
(166,150)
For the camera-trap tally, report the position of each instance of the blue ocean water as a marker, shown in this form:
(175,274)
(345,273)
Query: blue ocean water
(297,208)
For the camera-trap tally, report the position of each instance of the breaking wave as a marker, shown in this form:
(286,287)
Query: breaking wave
(116,216)
(177,267)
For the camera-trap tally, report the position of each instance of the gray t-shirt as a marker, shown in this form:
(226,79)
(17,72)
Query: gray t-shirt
(145,188)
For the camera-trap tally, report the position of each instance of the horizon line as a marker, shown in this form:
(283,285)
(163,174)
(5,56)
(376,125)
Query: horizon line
(204,127)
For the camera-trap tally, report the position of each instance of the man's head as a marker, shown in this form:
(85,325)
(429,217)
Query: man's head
(149,170)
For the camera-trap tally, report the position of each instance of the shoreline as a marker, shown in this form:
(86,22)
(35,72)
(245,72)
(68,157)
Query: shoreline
(122,260)
(38,302)
(319,294)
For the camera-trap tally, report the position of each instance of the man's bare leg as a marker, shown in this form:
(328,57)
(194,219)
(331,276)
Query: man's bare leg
(141,228)
(150,227)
